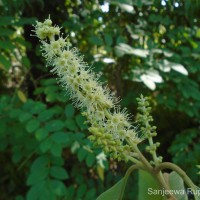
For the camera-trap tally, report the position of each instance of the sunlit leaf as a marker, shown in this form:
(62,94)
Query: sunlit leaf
(123,49)
(180,68)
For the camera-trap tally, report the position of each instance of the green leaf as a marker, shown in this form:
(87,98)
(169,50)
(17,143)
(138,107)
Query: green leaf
(41,134)
(37,107)
(35,191)
(114,192)
(58,187)
(198,33)
(90,159)
(82,190)
(54,125)
(56,150)
(46,115)
(6,20)
(59,172)
(32,125)
(108,39)
(25,20)
(47,82)
(41,191)
(91,194)
(60,138)
(82,153)
(37,175)
(26,62)
(5,62)
(46,145)
(176,184)
(24,117)
(80,120)
(41,161)
(96,40)
(148,187)
(7,45)
(6,31)
(69,111)
(71,125)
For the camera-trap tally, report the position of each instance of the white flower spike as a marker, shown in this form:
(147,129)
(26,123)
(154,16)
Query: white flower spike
(111,130)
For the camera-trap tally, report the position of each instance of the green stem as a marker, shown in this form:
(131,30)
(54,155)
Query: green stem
(143,159)
(134,160)
(163,183)
(184,176)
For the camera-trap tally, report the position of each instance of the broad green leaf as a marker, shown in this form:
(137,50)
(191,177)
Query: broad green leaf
(56,150)
(41,134)
(148,187)
(24,20)
(82,190)
(26,62)
(51,97)
(32,125)
(6,20)
(5,62)
(80,120)
(114,192)
(108,39)
(7,45)
(60,138)
(58,161)
(177,185)
(6,31)
(58,187)
(35,191)
(90,159)
(46,145)
(82,153)
(96,40)
(69,111)
(37,107)
(54,125)
(25,116)
(47,82)
(51,89)
(58,172)
(40,162)
(37,175)
(91,194)
(41,191)
(46,115)
(71,125)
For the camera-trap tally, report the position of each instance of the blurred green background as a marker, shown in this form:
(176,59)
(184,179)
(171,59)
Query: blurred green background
(140,46)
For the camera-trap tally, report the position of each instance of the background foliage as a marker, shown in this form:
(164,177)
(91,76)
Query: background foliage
(149,47)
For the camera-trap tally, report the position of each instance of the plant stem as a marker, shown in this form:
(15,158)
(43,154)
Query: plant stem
(184,176)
